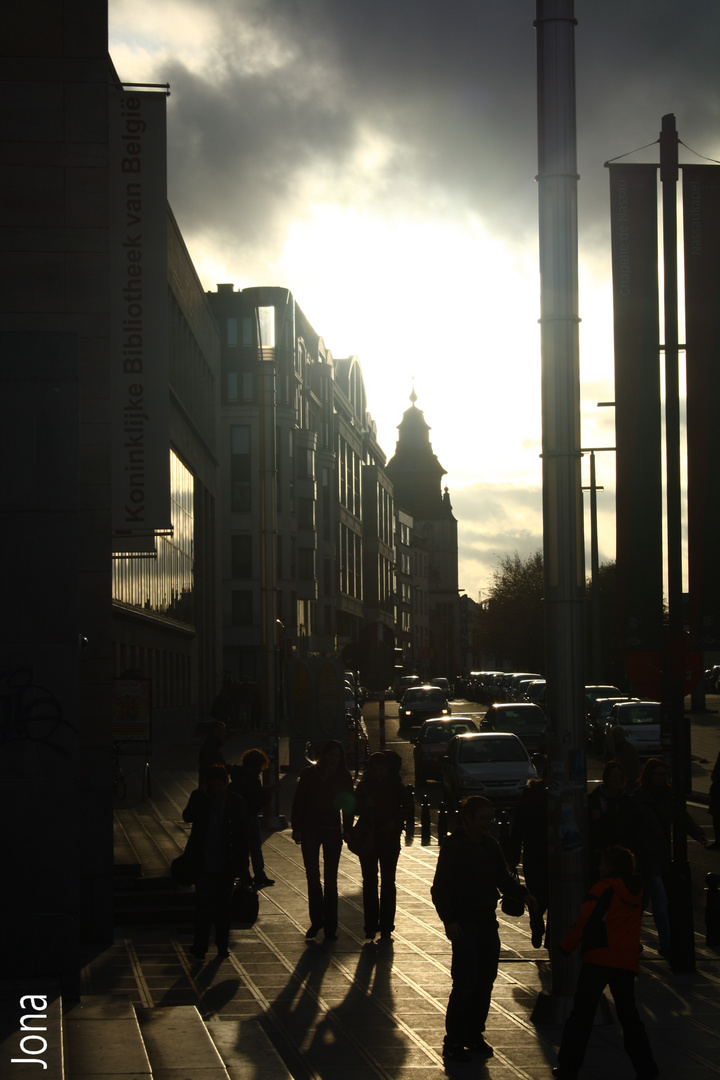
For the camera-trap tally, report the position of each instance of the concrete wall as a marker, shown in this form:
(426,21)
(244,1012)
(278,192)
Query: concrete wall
(55,761)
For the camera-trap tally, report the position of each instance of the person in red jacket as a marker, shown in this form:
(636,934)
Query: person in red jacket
(608,933)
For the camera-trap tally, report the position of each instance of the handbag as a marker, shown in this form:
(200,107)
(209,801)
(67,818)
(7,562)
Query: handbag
(361,839)
(182,871)
(245,904)
(511,906)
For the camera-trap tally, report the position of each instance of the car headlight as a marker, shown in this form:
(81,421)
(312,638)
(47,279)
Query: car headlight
(407,712)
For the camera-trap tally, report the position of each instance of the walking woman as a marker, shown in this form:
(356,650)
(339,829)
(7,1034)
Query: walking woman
(651,823)
(217,850)
(529,838)
(384,806)
(322,813)
(247,783)
(608,814)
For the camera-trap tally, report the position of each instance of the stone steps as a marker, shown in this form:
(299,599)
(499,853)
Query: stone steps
(31,1029)
(105,1037)
(145,845)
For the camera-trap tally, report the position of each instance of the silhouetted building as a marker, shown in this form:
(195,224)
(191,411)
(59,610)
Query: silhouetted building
(416,475)
(111,444)
(327,555)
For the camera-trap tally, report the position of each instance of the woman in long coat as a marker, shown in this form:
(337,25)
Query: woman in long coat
(651,826)
(322,813)
(217,850)
(384,806)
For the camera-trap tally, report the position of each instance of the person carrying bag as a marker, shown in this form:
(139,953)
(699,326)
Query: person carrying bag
(384,806)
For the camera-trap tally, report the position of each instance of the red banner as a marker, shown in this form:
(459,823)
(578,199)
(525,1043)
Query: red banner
(701,217)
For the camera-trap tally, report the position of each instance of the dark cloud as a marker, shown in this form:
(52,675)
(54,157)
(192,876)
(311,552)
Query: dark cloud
(450,86)
(441,94)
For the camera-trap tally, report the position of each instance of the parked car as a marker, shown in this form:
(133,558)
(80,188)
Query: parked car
(351,702)
(432,742)
(514,687)
(641,720)
(495,765)
(597,718)
(536,691)
(422,703)
(404,683)
(522,718)
(712,679)
(592,693)
(444,685)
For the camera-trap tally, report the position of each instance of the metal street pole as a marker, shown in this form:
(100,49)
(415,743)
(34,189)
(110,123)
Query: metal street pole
(563,542)
(595,659)
(595,642)
(680,892)
(265,322)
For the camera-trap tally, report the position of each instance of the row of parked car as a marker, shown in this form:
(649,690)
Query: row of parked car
(472,759)
(489,687)
(491,755)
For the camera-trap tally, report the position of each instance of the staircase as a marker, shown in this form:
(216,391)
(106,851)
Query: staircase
(107,1038)
(146,840)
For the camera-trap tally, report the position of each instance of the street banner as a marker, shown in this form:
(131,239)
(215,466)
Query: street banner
(633,208)
(701,223)
(140,429)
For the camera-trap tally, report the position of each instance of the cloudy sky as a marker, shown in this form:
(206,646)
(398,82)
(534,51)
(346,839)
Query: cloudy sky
(378,158)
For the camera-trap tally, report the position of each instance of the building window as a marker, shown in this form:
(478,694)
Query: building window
(241,556)
(350,564)
(242,607)
(164,585)
(232,386)
(232,335)
(306,564)
(248,386)
(240,468)
(306,514)
(306,463)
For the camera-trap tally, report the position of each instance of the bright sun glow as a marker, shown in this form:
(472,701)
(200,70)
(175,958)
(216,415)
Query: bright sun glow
(426,295)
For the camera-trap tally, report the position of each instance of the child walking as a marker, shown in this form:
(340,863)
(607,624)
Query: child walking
(608,932)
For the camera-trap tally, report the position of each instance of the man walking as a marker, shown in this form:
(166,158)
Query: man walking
(471,869)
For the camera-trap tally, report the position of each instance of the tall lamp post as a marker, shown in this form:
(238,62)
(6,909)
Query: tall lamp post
(265,323)
(563,543)
(673,697)
(596,650)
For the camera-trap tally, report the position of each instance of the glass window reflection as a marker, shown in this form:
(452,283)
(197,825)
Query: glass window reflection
(164,585)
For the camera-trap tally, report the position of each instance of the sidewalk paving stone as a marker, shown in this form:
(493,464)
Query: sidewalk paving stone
(346,1010)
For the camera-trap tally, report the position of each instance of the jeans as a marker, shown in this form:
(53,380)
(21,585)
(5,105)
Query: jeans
(592,981)
(474,968)
(322,895)
(255,845)
(655,890)
(380,913)
(213,898)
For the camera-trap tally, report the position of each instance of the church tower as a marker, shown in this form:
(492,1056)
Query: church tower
(416,475)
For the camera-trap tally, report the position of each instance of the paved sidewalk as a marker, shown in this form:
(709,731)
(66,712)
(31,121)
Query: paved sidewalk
(345,1010)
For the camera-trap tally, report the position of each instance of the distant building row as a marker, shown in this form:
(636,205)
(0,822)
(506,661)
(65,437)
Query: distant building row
(317,542)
